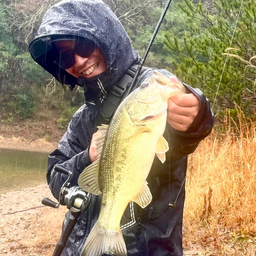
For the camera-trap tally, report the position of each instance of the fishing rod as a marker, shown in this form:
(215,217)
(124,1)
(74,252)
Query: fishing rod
(142,61)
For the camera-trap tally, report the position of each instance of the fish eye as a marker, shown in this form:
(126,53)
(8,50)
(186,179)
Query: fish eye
(144,84)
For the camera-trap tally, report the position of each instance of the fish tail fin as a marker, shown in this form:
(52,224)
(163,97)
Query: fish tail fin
(101,242)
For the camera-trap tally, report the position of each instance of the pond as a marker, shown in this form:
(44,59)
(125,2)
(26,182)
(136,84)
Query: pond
(20,169)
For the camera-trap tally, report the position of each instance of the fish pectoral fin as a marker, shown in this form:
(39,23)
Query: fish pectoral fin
(141,129)
(89,178)
(161,148)
(144,197)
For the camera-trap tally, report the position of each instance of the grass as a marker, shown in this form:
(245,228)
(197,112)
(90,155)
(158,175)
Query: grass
(220,208)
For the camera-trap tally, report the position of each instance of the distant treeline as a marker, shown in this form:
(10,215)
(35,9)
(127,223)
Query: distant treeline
(207,44)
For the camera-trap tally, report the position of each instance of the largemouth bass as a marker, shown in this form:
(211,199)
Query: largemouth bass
(126,150)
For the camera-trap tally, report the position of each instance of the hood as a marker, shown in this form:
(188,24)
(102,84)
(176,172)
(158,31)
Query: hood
(91,19)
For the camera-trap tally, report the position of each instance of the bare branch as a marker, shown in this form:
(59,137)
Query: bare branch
(50,88)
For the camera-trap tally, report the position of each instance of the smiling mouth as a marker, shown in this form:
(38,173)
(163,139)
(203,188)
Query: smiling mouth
(91,69)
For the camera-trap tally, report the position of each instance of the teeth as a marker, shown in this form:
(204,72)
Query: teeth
(90,70)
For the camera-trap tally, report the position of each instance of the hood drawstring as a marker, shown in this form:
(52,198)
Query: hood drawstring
(103,94)
(93,90)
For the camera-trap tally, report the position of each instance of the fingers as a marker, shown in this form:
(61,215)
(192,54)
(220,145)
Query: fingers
(180,122)
(93,153)
(185,100)
(182,111)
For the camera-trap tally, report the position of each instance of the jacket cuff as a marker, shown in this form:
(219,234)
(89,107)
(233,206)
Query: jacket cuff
(203,123)
(185,142)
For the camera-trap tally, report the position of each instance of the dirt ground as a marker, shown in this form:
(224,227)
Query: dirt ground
(27,227)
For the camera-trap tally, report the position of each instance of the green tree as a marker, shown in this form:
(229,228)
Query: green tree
(7,48)
(22,81)
(198,50)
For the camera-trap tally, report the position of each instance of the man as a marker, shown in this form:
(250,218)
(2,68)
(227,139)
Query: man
(81,42)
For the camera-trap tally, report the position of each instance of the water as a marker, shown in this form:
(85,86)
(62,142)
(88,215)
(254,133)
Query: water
(20,169)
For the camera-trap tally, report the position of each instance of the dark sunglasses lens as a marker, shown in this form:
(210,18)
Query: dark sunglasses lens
(84,48)
(65,60)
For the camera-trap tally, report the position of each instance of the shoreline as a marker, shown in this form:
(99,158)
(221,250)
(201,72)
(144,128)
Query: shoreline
(21,143)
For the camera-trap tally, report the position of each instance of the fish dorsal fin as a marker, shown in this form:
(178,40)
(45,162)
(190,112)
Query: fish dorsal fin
(89,178)
(161,148)
(144,197)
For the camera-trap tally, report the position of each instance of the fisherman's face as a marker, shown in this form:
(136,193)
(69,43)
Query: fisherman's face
(80,59)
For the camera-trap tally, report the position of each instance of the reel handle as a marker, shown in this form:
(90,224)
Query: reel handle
(61,169)
(48,202)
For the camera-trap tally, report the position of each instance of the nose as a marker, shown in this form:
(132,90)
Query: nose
(79,60)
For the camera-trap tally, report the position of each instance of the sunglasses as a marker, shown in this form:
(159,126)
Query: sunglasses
(83,48)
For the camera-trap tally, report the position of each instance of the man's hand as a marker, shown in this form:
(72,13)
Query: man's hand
(182,110)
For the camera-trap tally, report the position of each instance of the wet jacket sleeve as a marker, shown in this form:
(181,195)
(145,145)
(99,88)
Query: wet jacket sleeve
(184,143)
(72,152)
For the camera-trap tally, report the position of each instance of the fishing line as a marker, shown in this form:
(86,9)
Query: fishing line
(149,45)
(225,63)
(25,210)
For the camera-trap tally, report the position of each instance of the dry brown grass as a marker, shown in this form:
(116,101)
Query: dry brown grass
(220,208)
